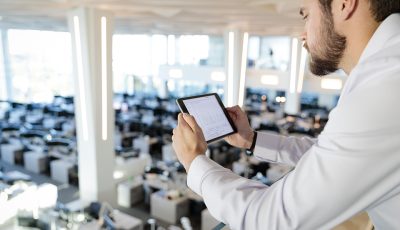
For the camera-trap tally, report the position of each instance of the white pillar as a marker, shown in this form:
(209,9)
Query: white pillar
(91,33)
(235,65)
(7,66)
(292,105)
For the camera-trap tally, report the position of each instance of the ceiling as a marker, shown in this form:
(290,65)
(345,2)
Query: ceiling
(258,17)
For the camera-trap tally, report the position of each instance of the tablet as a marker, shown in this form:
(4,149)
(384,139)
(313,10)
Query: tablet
(210,115)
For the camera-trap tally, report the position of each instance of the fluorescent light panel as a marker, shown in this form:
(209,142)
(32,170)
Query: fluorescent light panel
(293,69)
(302,70)
(269,80)
(230,67)
(329,83)
(118,175)
(243,69)
(104,76)
(81,80)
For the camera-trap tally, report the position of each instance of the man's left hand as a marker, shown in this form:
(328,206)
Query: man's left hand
(188,140)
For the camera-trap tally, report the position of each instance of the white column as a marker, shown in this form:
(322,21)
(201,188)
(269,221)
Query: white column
(292,105)
(235,65)
(6,64)
(91,33)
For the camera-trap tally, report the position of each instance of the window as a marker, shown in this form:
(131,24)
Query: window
(182,88)
(41,65)
(269,53)
(201,50)
(192,49)
(137,57)
(216,56)
(3,84)
(140,56)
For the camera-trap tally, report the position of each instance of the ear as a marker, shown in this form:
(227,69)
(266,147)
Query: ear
(344,9)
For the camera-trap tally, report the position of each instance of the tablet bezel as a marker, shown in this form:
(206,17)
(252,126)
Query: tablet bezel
(183,108)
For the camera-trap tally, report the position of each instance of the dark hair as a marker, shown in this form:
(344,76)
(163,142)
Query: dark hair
(380,9)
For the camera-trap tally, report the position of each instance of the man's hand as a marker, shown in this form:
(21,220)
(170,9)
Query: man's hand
(244,136)
(188,140)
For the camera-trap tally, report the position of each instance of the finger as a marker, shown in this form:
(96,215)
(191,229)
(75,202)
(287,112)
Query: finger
(183,126)
(231,109)
(174,131)
(181,121)
(191,122)
(232,114)
(235,108)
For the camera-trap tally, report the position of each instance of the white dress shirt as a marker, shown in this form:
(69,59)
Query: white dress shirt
(353,166)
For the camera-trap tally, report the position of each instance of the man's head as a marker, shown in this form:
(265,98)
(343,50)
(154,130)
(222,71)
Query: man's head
(330,23)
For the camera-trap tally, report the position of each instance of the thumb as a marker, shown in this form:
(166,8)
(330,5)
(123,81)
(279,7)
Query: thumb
(191,122)
(181,120)
(234,111)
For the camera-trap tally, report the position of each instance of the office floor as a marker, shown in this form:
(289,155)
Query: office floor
(68,193)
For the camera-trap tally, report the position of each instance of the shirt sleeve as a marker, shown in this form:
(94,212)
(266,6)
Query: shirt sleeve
(321,192)
(281,149)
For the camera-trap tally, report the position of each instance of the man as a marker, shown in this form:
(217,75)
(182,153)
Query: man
(353,166)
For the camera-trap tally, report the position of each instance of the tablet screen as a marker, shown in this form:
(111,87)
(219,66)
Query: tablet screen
(209,115)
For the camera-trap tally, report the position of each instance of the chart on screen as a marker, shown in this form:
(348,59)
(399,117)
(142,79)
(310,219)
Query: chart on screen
(209,115)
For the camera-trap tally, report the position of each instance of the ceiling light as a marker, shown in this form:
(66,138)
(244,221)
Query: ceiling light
(302,70)
(104,85)
(231,50)
(243,69)
(329,83)
(269,80)
(293,69)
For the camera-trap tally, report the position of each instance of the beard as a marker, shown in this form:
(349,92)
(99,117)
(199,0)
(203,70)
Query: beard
(331,50)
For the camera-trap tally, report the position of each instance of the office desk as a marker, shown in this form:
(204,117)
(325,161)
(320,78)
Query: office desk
(11,153)
(35,161)
(60,170)
(130,192)
(122,221)
(168,210)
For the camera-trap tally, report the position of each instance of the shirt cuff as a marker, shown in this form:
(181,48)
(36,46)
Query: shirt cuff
(198,169)
(267,146)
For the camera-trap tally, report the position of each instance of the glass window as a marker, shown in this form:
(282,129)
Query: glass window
(182,88)
(3,85)
(140,56)
(137,56)
(271,52)
(192,49)
(196,50)
(39,57)
(159,52)
(216,52)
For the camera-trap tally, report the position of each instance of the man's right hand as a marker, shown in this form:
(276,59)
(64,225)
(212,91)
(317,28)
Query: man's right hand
(244,136)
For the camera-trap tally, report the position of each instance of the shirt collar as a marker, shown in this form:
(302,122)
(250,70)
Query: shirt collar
(388,28)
